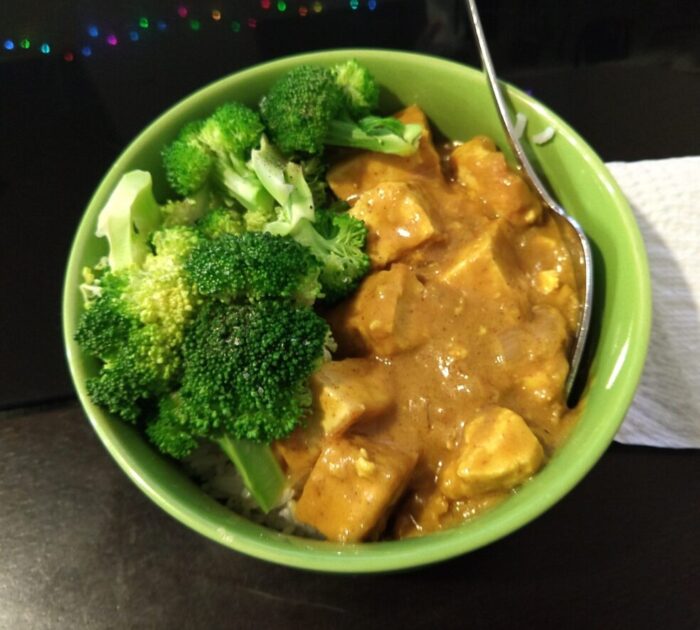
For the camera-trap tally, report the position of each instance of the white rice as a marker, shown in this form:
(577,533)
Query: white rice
(543,136)
(520,124)
(218,477)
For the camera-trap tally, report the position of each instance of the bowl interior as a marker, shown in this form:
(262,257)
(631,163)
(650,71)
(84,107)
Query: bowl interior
(456,99)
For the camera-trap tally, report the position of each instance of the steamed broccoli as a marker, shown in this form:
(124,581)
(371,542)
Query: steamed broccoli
(307,108)
(285,181)
(359,87)
(314,171)
(246,371)
(219,221)
(337,240)
(182,212)
(253,266)
(134,323)
(208,159)
(128,218)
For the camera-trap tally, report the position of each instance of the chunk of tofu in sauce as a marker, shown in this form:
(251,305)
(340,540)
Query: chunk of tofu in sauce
(468,321)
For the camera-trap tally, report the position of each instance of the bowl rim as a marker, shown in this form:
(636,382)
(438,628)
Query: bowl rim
(262,543)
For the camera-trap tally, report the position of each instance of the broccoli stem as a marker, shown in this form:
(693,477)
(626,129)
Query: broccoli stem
(259,469)
(128,218)
(285,182)
(243,185)
(347,133)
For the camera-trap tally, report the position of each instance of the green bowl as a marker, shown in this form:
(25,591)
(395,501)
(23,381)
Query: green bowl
(457,101)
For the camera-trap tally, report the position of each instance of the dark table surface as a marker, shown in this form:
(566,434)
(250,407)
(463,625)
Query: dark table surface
(81,547)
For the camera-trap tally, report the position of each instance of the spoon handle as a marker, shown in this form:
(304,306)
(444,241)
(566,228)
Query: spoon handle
(582,257)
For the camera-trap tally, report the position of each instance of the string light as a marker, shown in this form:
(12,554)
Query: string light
(132,32)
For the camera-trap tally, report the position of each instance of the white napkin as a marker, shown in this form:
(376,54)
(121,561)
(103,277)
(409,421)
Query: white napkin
(665,198)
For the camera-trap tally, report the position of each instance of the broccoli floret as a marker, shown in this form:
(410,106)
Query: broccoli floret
(307,109)
(132,354)
(169,431)
(246,371)
(134,322)
(253,266)
(133,376)
(337,241)
(106,321)
(360,89)
(314,171)
(182,212)
(208,159)
(285,181)
(220,221)
(187,160)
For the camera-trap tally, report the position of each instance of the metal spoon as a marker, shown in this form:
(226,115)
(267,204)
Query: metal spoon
(579,247)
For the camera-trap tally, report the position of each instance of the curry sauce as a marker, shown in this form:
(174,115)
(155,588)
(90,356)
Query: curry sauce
(447,390)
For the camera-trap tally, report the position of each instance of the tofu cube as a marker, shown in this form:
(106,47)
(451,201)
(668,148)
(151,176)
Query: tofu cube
(350,391)
(498,452)
(298,452)
(396,220)
(485,266)
(381,317)
(482,169)
(352,488)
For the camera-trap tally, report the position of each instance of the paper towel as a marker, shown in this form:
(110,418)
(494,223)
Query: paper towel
(665,198)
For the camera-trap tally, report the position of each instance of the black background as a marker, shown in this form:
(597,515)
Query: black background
(80,547)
